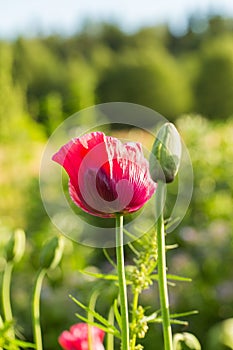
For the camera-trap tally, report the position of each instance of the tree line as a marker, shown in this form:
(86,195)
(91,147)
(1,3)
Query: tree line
(47,78)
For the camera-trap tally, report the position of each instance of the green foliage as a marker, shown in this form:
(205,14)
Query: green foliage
(12,109)
(8,343)
(54,77)
(139,77)
(214,88)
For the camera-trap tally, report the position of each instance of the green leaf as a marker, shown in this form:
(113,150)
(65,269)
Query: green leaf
(130,235)
(155,277)
(92,302)
(179,278)
(134,250)
(179,322)
(23,344)
(171,222)
(107,256)
(95,314)
(184,314)
(171,246)
(172,321)
(152,317)
(100,275)
(117,314)
(111,329)
(110,337)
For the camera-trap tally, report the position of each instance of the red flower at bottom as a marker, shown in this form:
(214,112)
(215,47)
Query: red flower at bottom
(77,338)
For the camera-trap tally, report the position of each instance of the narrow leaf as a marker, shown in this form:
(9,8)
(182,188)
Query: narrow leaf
(171,246)
(117,314)
(130,235)
(178,278)
(92,303)
(152,317)
(184,314)
(106,329)
(110,337)
(23,344)
(107,256)
(155,277)
(171,222)
(134,250)
(94,313)
(172,321)
(100,275)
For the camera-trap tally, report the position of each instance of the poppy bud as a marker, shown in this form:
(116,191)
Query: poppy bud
(51,253)
(16,246)
(186,341)
(166,154)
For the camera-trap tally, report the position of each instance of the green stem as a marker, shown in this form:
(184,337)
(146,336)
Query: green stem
(163,291)
(6,298)
(91,318)
(134,310)
(110,337)
(1,326)
(36,309)
(122,283)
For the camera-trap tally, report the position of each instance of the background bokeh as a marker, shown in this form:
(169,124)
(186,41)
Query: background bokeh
(185,76)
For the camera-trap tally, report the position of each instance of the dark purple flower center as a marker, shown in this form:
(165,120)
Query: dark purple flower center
(106,187)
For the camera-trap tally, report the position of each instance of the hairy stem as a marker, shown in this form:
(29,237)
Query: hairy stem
(163,291)
(122,283)
(134,310)
(36,309)
(6,298)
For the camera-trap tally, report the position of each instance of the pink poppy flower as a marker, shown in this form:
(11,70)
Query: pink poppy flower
(77,338)
(107,177)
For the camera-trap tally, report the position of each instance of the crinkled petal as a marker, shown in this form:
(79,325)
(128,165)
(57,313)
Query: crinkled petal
(106,176)
(79,150)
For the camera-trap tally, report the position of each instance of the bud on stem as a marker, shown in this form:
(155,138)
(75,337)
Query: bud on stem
(16,246)
(51,253)
(166,154)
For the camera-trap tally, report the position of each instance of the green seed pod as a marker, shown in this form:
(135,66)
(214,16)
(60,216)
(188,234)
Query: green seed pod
(186,341)
(52,253)
(16,246)
(166,154)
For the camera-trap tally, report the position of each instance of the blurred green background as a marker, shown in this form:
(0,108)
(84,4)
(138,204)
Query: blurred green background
(188,79)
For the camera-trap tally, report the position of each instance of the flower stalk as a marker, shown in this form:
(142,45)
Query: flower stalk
(134,311)
(162,277)
(6,300)
(122,283)
(36,309)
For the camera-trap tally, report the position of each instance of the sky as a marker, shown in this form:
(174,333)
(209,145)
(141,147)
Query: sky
(28,17)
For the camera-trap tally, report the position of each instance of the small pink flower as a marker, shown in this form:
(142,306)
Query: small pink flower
(77,338)
(106,176)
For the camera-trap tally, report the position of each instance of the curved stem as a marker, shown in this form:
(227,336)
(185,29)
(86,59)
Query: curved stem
(6,298)
(122,283)
(163,291)
(36,309)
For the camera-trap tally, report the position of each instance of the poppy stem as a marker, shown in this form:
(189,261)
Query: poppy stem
(163,290)
(36,309)
(122,283)
(6,300)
